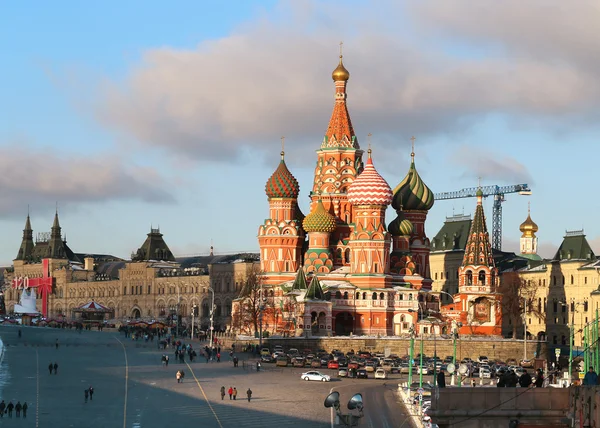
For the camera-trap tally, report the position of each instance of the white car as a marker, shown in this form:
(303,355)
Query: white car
(380,374)
(485,373)
(315,375)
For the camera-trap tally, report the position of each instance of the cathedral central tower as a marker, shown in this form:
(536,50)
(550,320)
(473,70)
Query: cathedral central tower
(339,161)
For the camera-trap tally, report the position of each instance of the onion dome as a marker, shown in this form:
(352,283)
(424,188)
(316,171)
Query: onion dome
(369,188)
(400,226)
(479,193)
(528,227)
(282,184)
(340,73)
(319,220)
(412,193)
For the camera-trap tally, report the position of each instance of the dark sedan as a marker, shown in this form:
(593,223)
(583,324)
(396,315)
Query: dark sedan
(362,374)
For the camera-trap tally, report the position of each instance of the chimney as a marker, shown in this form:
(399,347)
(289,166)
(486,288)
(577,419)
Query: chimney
(88,263)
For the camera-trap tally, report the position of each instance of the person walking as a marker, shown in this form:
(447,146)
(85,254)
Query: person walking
(230,392)
(249,394)
(441,379)
(178,376)
(218,357)
(539,379)
(222,393)
(10,408)
(19,333)
(24,409)
(591,378)
(91,393)
(56,344)
(50,367)
(55,368)
(18,408)
(234,393)
(525,379)
(86,393)
(166,361)
(2,408)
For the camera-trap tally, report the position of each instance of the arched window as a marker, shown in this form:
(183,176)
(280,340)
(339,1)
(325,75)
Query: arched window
(374,297)
(469,277)
(364,296)
(347,255)
(382,297)
(482,277)
(401,296)
(338,295)
(410,297)
(357,296)
(345,295)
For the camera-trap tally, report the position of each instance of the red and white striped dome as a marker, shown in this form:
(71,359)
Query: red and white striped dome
(370,188)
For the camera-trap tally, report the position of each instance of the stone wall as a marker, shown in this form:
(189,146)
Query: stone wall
(465,347)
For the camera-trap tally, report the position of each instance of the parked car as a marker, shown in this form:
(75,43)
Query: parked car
(298,362)
(333,365)
(315,363)
(315,375)
(353,364)
(370,366)
(343,372)
(485,373)
(267,359)
(362,374)
(265,351)
(483,359)
(380,374)
(282,361)
(526,363)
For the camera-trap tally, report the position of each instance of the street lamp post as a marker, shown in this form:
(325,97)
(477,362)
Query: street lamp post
(211,313)
(411,355)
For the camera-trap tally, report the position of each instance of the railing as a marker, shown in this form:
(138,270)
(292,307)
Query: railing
(408,304)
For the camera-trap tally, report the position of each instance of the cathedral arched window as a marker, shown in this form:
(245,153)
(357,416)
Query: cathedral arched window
(482,277)
(401,296)
(364,296)
(347,255)
(345,295)
(381,296)
(374,297)
(410,297)
(469,277)
(357,297)
(338,295)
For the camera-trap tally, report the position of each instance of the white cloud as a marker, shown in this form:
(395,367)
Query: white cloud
(270,78)
(478,162)
(41,177)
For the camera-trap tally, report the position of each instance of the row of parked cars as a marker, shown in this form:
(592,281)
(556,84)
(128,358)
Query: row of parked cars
(358,365)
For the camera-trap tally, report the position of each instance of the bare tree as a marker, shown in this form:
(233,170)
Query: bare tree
(516,292)
(252,295)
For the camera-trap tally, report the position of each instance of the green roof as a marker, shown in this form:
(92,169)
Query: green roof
(574,247)
(453,235)
(300,281)
(315,291)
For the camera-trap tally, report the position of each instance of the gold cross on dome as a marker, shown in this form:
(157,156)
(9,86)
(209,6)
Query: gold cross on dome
(412,140)
(282,144)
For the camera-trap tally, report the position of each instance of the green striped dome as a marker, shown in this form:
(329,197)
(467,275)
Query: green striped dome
(319,220)
(400,226)
(412,193)
(282,184)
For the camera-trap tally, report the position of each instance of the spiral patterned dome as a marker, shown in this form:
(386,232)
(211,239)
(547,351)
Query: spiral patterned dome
(282,184)
(319,220)
(400,226)
(369,188)
(412,193)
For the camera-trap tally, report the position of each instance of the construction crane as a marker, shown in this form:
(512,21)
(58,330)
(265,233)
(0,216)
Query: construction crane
(498,193)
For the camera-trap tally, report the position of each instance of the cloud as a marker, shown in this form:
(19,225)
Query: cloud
(233,97)
(477,162)
(31,175)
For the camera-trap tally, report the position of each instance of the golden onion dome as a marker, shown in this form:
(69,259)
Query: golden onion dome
(340,73)
(319,220)
(528,227)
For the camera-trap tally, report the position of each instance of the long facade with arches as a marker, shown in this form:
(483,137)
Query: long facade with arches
(341,269)
(152,285)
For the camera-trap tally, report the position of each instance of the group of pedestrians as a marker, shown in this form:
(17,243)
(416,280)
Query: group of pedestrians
(179,376)
(8,409)
(53,367)
(232,391)
(511,380)
(89,392)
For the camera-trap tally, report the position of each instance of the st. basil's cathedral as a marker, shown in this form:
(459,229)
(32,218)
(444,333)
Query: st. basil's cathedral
(339,270)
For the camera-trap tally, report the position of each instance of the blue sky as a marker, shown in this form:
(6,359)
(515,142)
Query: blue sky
(131,114)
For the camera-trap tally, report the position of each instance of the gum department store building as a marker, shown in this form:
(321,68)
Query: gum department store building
(152,285)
